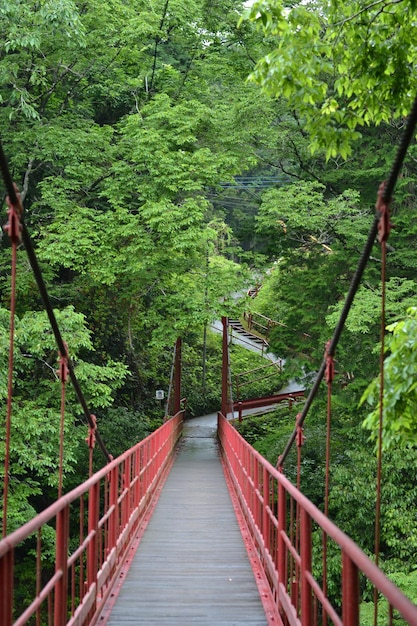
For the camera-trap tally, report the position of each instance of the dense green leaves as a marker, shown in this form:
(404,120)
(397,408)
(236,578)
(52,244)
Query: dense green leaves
(116,133)
(313,239)
(35,427)
(399,425)
(300,215)
(340,65)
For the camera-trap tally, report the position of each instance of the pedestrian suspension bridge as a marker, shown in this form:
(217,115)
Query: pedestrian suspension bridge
(191,525)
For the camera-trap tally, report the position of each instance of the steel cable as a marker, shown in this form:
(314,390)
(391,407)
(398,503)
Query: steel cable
(387,194)
(15,201)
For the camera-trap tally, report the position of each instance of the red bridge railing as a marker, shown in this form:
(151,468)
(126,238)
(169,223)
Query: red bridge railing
(94,526)
(281,522)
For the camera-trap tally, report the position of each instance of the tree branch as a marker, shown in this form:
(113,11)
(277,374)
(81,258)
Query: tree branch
(365,9)
(157,40)
(26,180)
(37,358)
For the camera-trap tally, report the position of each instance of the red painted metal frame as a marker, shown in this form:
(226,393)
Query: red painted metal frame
(255,403)
(295,574)
(95,525)
(225,367)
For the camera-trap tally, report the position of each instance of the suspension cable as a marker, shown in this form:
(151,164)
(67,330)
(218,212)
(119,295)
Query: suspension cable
(387,194)
(63,377)
(329,375)
(14,230)
(171,380)
(14,200)
(382,207)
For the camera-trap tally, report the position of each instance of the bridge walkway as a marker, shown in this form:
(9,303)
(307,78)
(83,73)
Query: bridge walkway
(191,566)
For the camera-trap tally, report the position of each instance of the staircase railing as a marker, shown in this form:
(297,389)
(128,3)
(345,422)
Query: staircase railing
(280,522)
(260,323)
(94,525)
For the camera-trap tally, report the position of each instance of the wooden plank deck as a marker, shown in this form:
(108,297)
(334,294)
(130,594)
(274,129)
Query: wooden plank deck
(191,566)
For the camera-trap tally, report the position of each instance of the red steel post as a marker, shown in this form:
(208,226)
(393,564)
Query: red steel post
(306,561)
(253,490)
(265,513)
(225,367)
(93,530)
(126,492)
(282,527)
(350,592)
(137,478)
(240,411)
(61,589)
(177,377)
(6,586)
(113,505)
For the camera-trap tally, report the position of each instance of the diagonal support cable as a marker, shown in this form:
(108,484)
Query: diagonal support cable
(387,194)
(15,201)
(13,228)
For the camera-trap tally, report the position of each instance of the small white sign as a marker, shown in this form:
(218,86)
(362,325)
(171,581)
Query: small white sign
(159,394)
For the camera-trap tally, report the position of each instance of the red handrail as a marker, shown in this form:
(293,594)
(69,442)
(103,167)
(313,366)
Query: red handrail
(111,505)
(265,498)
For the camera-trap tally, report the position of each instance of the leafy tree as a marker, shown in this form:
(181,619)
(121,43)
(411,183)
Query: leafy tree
(269,434)
(352,502)
(313,239)
(341,66)
(399,428)
(36,402)
(407,583)
(117,131)
(121,152)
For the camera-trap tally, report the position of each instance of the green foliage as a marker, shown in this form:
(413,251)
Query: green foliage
(353,497)
(300,214)
(254,376)
(36,350)
(365,313)
(407,583)
(203,394)
(31,34)
(114,126)
(148,237)
(269,434)
(363,328)
(314,238)
(340,65)
(122,428)
(35,426)
(399,425)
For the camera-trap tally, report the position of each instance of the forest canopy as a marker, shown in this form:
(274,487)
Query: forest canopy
(340,65)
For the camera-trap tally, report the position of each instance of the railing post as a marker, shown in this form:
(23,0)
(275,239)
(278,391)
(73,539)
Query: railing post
(61,589)
(252,469)
(265,514)
(240,411)
(177,377)
(305,554)
(137,478)
(148,457)
(281,551)
(126,495)
(6,586)
(92,551)
(113,505)
(350,592)
(225,367)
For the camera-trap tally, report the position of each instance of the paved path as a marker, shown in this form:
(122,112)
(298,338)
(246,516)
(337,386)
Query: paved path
(191,566)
